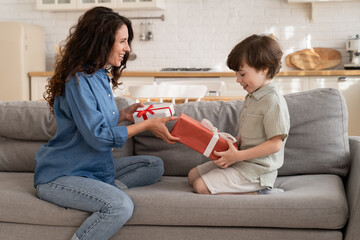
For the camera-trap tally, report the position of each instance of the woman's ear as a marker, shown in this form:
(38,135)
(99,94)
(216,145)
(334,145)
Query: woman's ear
(265,71)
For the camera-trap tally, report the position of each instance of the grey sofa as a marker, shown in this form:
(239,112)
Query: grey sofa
(320,176)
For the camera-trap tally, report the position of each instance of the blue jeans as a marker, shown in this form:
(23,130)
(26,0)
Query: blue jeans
(111,207)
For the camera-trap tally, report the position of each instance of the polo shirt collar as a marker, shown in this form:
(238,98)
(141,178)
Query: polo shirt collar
(258,94)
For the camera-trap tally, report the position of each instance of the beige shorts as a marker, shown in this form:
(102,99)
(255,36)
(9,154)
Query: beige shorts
(226,180)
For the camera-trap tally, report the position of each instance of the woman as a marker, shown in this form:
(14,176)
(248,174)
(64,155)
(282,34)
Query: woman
(76,168)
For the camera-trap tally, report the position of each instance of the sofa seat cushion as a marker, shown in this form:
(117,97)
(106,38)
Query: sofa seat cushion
(20,204)
(309,201)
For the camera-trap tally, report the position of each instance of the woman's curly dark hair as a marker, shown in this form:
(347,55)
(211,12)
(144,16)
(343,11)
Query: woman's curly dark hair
(87,49)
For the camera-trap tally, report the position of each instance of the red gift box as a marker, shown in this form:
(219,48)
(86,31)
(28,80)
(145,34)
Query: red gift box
(199,137)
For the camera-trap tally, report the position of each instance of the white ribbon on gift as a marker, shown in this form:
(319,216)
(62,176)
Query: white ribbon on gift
(216,134)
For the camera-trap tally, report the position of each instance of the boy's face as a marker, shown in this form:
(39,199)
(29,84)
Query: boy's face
(251,79)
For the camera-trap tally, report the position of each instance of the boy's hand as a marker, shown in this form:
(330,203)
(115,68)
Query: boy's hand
(227,157)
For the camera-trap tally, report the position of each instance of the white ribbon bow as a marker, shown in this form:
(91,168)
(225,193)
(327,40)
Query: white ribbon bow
(206,123)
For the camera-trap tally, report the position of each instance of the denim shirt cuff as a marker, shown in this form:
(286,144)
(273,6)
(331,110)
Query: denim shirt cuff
(120,136)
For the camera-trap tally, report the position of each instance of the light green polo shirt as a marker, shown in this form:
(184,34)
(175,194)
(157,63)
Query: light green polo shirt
(264,115)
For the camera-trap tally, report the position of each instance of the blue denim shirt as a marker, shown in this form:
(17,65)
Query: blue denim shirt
(87,130)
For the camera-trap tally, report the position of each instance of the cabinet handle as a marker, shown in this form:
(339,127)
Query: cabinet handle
(343,79)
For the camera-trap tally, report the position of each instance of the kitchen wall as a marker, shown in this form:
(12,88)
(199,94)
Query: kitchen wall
(201,33)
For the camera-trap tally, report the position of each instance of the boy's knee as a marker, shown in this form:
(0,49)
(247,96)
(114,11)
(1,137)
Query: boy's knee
(192,172)
(192,175)
(200,186)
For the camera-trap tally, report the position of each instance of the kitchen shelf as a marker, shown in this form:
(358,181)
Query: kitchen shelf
(309,1)
(80,5)
(312,4)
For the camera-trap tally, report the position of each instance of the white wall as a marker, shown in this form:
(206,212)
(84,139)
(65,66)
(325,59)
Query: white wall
(201,33)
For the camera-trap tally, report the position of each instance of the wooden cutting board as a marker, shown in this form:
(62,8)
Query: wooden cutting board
(306,59)
(313,59)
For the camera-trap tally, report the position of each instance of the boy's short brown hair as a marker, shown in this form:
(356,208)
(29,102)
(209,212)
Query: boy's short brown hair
(258,51)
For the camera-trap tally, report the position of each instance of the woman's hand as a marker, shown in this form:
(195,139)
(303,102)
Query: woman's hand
(158,128)
(227,157)
(127,113)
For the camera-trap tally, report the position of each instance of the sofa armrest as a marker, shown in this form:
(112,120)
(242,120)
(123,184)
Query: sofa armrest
(353,190)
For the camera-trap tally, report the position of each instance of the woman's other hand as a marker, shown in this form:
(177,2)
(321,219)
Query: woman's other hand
(127,113)
(156,126)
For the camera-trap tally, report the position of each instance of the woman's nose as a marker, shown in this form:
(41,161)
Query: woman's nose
(127,47)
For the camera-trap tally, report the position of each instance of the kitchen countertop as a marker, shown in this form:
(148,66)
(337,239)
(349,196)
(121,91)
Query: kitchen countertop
(220,74)
(182,100)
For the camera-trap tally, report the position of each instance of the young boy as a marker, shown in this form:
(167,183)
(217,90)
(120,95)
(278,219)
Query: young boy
(263,127)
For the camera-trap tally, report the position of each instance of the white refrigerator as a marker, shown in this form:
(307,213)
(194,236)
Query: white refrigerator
(22,50)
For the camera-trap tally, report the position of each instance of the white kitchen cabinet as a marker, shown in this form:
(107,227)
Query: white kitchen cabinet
(56,5)
(76,5)
(85,4)
(349,86)
(315,2)
(140,4)
(37,87)
(123,89)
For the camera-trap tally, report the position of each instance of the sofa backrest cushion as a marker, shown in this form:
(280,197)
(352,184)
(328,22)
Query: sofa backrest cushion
(26,125)
(26,120)
(317,142)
